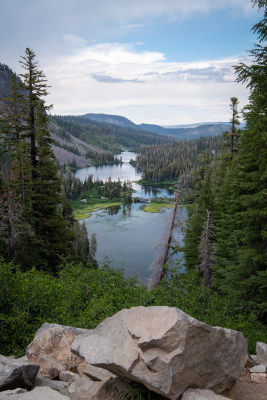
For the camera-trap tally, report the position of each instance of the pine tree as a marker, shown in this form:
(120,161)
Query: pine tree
(231,138)
(240,269)
(39,225)
(36,88)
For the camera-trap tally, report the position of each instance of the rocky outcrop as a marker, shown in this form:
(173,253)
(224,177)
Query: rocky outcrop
(16,374)
(171,353)
(166,350)
(51,350)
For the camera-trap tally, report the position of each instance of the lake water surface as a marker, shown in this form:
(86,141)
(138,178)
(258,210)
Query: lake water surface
(126,234)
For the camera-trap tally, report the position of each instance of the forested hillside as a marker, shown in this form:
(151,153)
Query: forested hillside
(226,238)
(171,160)
(107,134)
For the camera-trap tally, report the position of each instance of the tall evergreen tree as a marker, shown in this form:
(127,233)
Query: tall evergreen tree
(240,270)
(39,227)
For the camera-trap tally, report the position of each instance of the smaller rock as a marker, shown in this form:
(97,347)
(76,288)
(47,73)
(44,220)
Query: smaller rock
(258,369)
(254,359)
(258,377)
(198,394)
(16,374)
(53,384)
(68,376)
(81,367)
(251,361)
(261,350)
(51,350)
(38,393)
(14,391)
(97,374)
(82,385)
(21,360)
(49,367)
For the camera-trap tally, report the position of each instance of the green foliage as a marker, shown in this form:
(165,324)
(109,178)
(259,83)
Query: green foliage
(170,161)
(84,297)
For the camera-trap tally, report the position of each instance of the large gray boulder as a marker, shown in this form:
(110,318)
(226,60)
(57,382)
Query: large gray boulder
(166,350)
(15,374)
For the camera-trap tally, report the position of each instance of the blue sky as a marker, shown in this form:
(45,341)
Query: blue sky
(154,61)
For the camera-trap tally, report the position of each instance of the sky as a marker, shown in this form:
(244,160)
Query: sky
(165,62)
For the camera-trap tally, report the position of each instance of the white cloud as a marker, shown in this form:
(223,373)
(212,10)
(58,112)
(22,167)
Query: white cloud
(141,85)
(74,40)
(133,26)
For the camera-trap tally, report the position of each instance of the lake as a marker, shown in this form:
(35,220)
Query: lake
(126,234)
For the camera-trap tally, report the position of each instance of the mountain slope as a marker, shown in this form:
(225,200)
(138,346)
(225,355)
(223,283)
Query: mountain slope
(111,119)
(191,131)
(80,141)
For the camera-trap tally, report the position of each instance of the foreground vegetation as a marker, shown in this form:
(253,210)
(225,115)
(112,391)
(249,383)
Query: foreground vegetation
(83,297)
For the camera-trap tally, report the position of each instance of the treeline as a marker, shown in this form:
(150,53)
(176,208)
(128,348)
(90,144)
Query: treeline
(73,188)
(108,136)
(36,223)
(227,231)
(171,160)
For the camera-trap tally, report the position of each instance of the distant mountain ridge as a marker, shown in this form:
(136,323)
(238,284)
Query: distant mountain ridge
(93,138)
(190,131)
(111,119)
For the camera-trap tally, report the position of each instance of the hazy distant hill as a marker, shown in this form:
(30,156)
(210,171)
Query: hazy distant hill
(190,131)
(209,129)
(94,138)
(111,119)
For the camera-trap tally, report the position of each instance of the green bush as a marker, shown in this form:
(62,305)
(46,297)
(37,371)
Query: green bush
(83,297)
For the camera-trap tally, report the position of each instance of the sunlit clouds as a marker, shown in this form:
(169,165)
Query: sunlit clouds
(154,61)
(121,79)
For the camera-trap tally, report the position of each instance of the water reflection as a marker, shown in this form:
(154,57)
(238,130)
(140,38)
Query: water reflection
(125,172)
(152,191)
(127,234)
(113,210)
